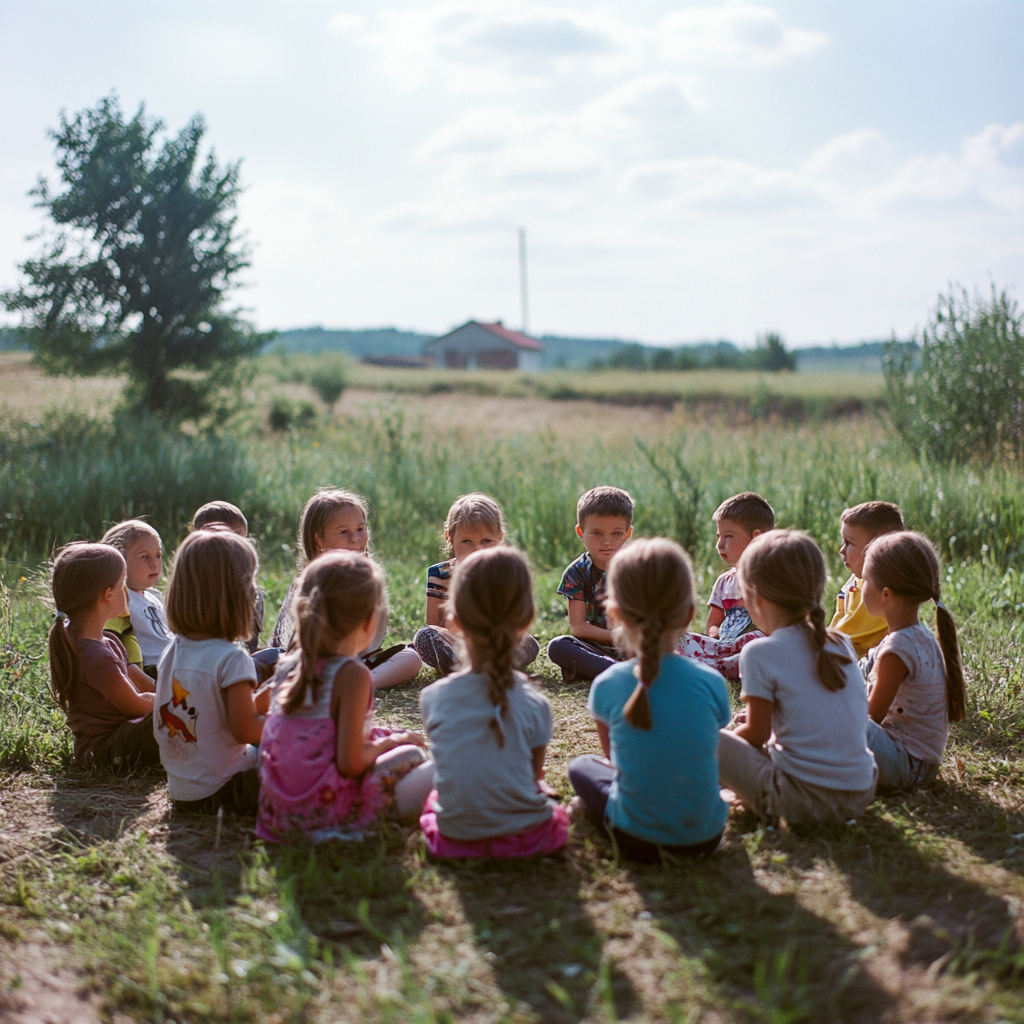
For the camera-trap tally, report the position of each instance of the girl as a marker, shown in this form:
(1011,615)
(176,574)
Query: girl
(146,619)
(323,768)
(110,714)
(208,718)
(804,693)
(335,520)
(917,684)
(488,728)
(474,521)
(657,716)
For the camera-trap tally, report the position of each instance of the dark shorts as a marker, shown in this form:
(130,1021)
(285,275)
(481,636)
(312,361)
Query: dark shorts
(239,795)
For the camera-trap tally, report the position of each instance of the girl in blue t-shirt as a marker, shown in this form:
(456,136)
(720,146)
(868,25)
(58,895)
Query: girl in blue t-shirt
(657,716)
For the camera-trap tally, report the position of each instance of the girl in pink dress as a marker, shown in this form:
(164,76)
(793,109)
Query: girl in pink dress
(325,771)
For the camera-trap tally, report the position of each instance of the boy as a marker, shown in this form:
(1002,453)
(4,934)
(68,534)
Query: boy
(604,522)
(738,520)
(859,526)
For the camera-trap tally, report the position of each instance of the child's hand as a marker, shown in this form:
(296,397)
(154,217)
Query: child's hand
(417,739)
(546,789)
(713,632)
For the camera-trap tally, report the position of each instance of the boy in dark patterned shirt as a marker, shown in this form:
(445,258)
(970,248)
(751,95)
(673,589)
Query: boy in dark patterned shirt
(604,522)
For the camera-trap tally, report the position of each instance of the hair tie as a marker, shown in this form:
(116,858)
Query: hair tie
(939,604)
(60,616)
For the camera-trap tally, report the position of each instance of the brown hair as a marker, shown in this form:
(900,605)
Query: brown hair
(474,509)
(749,510)
(318,511)
(908,565)
(220,512)
(877,517)
(126,534)
(787,568)
(492,596)
(212,589)
(336,592)
(81,574)
(650,586)
(605,501)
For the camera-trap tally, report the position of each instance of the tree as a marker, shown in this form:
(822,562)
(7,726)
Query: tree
(771,355)
(142,249)
(960,395)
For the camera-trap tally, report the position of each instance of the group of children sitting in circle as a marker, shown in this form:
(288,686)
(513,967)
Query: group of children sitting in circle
(832,713)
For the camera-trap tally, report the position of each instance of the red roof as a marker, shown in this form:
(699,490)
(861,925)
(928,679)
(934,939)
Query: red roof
(516,337)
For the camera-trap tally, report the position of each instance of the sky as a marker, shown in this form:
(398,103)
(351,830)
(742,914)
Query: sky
(683,171)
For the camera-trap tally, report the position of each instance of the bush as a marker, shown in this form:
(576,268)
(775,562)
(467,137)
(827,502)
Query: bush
(285,414)
(963,399)
(329,378)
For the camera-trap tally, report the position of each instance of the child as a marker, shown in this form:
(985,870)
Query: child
(488,728)
(657,717)
(110,714)
(917,684)
(801,754)
(323,769)
(859,526)
(223,513)
(208,720)
(738,520)
(335,520)
(143,553)
(474,521)
(604,522)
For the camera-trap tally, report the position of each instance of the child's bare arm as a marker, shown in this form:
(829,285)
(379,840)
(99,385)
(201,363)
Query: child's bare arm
(604,735)
(139,679)
(890,671)
(435,611)
(119,690)
(245,723)
(716,616)
(537,755)
(583,630)
(758,726)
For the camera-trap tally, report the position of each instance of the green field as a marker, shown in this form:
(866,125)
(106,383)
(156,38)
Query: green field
(914,913)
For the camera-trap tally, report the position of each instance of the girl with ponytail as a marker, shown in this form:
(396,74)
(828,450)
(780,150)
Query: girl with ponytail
(657,716)
(917,685)
(488,728)
(324,768)
(109,708)
(801,753)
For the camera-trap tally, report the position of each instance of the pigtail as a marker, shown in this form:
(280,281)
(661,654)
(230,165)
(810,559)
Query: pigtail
(63,662)
(501,642)
(829,672)
(638,708)
(956,691)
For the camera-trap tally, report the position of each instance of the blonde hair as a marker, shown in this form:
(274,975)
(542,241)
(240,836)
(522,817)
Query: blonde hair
(906,563)
(126,534)
(650,586)
(319,510)
(220,512)
(474,509)
(81,574)
(336,593)
(787,568)
(492,596)
(212,589)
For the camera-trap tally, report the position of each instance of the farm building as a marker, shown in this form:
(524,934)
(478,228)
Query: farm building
(477,346)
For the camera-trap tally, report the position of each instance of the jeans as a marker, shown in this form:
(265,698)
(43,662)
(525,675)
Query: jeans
(897,769)
(436,646)
(581,659)
(592,778)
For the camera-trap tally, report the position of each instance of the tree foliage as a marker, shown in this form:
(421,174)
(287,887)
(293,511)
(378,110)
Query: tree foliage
(961,396)
(142,247)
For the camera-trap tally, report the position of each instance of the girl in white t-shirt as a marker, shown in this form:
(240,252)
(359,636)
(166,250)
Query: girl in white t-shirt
(917,685)
(209,718)
(801,754)
(488,728)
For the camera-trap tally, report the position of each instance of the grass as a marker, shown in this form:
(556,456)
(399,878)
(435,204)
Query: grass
(914,913)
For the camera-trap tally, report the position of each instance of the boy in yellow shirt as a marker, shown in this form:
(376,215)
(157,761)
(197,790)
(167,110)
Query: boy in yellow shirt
(859,526)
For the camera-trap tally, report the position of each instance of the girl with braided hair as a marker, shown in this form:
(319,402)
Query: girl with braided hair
(657,716)
(801,753)
(917,684)
(325,770)
(488,728)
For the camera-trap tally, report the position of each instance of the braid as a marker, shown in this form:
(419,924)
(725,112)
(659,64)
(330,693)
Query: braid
(502,643)
(829,672)
(638,708)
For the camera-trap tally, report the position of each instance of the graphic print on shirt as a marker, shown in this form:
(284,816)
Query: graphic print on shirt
(183,721)
(155,623)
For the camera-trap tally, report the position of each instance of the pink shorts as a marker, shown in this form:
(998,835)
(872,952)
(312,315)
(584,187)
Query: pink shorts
(547,837)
